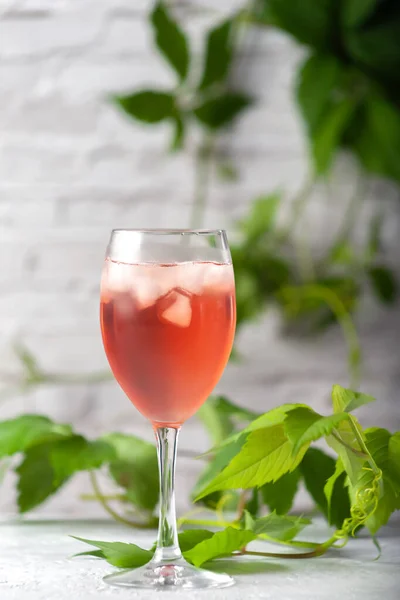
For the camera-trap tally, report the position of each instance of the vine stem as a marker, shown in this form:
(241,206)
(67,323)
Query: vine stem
(241,504)
(354,450)
(101,499)
(346,324)
(203,163)
(376,470)
(350,216)
(298,204)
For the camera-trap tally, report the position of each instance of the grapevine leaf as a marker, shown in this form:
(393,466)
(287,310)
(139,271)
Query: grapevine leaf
(266,456)
(219,53)
(192,537)
(329,135)
(316,468)
(149,106)
(24,432)
(280,527)
(36,477)
(347,400)
(219,416)
(304,426)
(383,283)
(345,444)
(319,76)
(221,543)
(355,12)
(279,495)
(135,468)
(260,220)
(171,40)
(78,454)
(221,459)
(120,554)
(394,455)
(221,111)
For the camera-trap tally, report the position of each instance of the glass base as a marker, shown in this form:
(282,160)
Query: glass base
(178,574)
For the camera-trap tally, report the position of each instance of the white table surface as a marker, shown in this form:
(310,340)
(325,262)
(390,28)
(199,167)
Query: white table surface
(36,564)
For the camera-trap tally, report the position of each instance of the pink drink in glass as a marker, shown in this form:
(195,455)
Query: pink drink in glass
(168,331)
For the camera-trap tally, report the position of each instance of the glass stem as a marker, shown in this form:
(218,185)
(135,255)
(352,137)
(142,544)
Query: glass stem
(167,550)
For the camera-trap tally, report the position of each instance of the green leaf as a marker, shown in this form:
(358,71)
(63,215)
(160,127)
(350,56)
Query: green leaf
(322,482)
(329,135)
(32,374)
(394,455)
(375,236)
(342,254)
(279,495)
(304,426)
(135,469)
(221,111)
(343,444)
(192,537)
(383,283)
(219,53)
(37,479)
(275,416)
(266,456)
(383,127)
(221,543)
(347,400)
(78,454)
(316,468)
(179,133)
(355,12)
(319,76)
(311,22)
(171,40)
(222,458)
(119,554)
(150,106)
(280,527)
(219,415)
(376,46)
(337,496)
(92,553)
(21,433)
(261,218)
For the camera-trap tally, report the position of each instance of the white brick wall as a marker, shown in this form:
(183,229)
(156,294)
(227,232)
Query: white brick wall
(71,168)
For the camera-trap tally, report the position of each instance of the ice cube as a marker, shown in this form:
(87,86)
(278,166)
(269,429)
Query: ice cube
(115,277)
(175,308)
(124,305)
(191,277)
(146,291)
(218,278)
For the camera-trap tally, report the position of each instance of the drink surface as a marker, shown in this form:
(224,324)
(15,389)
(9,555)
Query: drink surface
(168,331)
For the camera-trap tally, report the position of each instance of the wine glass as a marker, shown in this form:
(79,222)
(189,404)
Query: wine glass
(168,318)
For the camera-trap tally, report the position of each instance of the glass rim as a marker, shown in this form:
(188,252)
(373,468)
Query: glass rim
(166,231)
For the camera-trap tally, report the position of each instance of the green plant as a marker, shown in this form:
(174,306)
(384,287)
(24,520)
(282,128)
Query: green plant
(349,85)
(266,461)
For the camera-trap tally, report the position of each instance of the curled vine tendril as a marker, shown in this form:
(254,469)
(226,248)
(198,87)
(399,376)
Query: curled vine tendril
(366,503)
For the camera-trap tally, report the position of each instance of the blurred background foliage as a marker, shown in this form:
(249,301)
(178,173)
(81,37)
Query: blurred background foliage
(348,94)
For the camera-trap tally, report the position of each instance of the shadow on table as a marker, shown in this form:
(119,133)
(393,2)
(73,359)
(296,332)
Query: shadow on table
(244,567)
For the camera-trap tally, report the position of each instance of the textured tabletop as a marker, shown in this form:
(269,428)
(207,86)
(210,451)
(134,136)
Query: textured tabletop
(36,564)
